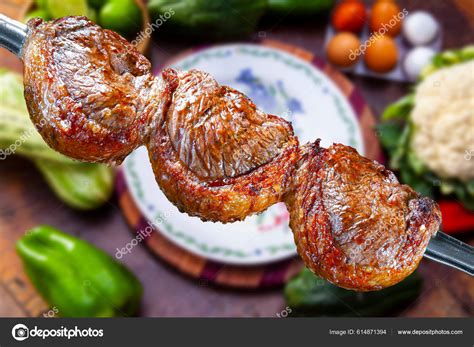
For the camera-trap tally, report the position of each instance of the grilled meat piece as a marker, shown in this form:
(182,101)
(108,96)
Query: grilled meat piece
(354,224)
(87,89)
(218,157)
(214,154)
(217,131)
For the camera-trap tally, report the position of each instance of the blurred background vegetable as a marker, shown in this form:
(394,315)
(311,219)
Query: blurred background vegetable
(308,295)
(205,18)
(397,131)
(231,19)
(298,8)
(82,186)
(77,278)
(122,16)
(61,8)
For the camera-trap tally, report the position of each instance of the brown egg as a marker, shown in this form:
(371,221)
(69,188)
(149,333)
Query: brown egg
(381,54)
(342,49)
(386,18)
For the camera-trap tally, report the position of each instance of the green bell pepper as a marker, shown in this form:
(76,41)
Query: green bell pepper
(309,295)
(76,277)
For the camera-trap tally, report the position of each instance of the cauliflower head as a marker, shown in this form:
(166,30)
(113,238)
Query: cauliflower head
(443,120)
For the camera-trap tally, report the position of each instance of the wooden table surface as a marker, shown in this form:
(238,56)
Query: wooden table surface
(25,201)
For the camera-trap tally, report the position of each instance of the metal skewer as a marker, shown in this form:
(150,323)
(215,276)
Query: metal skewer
(12,34)
(452,252)
(442,248)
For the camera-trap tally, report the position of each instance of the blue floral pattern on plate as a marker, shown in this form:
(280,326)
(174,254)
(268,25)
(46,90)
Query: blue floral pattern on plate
(274,99)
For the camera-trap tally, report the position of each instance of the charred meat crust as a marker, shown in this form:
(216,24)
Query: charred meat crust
(218,132)
(87,89)
(224,199)
(353,223)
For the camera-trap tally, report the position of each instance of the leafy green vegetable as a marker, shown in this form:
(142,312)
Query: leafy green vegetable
(309,295)
(395,137)
(80,185)
(399,109)
(448,58)
(389,134)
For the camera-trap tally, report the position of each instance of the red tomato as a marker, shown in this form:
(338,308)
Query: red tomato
(349,15)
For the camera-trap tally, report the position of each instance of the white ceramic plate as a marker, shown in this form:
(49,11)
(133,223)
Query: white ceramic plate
(280,84)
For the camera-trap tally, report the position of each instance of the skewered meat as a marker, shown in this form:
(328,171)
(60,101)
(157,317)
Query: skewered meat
(353,223)
(216,156)
(87,90)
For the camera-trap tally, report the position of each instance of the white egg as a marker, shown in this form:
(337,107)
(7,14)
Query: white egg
(416,60)
(420,28)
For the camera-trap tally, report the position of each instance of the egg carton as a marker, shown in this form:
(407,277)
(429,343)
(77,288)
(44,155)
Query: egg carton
(403,46)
